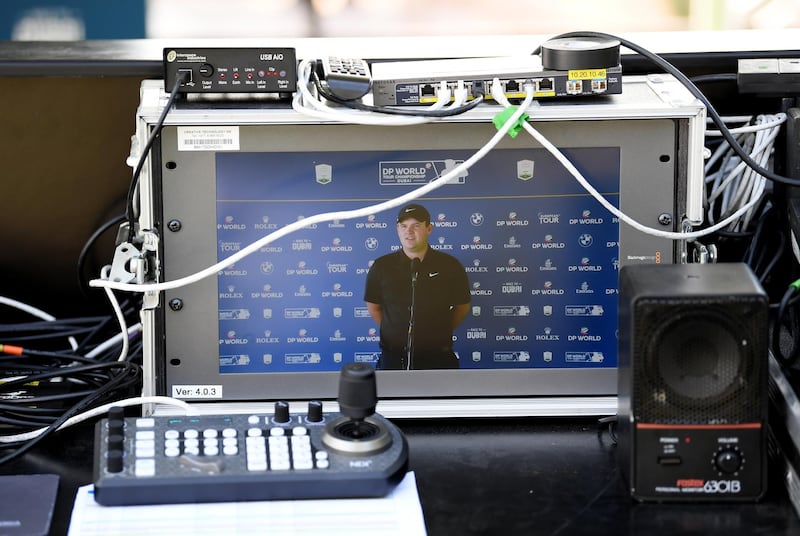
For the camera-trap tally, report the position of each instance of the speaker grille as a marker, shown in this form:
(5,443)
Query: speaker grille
(699,361)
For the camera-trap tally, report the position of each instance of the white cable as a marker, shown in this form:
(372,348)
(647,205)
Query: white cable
(103,346)
(761,146)
(34,311)
(99,410)
(795,246)
(123,332)
(306,103)
(734,183)
(329,216)
(499,96)
(771,123)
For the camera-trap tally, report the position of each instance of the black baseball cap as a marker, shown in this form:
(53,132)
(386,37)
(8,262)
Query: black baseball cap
(418,212)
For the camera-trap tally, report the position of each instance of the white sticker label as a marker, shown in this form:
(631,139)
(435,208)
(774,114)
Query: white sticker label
(220,138)
(197,391)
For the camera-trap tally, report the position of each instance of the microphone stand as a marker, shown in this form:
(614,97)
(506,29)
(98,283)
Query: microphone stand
(410,340)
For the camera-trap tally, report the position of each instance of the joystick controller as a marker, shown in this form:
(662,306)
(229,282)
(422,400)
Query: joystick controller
(217,458)
(356,431)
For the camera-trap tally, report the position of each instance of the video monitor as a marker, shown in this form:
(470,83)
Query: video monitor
(541,255)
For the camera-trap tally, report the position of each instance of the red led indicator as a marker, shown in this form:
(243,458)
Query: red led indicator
(687,440)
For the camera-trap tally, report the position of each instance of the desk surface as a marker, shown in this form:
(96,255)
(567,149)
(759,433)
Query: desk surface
(520,476)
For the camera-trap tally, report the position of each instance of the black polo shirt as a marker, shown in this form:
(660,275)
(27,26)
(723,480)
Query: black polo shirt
(441,284)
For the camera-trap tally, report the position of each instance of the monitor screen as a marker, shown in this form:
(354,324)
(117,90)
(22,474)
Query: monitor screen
(541,256)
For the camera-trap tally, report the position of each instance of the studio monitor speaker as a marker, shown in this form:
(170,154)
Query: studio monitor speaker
(692,382)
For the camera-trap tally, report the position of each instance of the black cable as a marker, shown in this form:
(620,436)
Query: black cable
(792,302)
(40,389)
(706,78)
(129,374)
(104,323)
(134,186)
(50,324)
(608,424)
(783,307)
(89,245)
(781,249)
(710,110)
(43,336)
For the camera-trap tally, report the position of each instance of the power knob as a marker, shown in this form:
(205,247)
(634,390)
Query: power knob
(728,461)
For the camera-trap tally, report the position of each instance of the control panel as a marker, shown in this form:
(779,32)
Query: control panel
(251,457)
(705,462)
(231,70)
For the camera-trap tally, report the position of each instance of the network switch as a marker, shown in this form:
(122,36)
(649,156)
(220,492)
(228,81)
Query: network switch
(414,83)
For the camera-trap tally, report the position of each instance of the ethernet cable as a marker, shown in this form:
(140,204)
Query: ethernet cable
(735,181)
(499,95)
(456,171)
(455,109)
(769,122)
(306,103)
(120,316)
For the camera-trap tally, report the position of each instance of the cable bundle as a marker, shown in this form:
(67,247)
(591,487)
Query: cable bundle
(77,366)
(732,184)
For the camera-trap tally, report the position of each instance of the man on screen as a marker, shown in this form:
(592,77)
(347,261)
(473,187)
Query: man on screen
(417,296)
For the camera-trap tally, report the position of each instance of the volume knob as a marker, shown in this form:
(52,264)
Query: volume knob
(728,461)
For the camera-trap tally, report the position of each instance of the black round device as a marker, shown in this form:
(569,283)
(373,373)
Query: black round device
(570,53)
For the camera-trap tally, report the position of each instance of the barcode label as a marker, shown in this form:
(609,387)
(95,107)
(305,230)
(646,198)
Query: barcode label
(208,138)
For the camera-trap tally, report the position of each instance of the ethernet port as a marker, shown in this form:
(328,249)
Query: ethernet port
(545,84)
(512,86)
(427,91)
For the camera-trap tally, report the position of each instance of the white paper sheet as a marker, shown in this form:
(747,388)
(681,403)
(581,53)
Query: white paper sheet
(398,513)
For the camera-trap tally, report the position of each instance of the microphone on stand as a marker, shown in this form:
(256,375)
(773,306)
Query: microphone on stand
(415,262)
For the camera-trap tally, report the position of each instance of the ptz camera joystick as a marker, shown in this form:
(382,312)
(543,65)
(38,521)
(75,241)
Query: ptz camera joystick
(249,457)
(357,431)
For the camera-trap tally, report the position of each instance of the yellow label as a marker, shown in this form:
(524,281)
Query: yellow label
(586,74)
